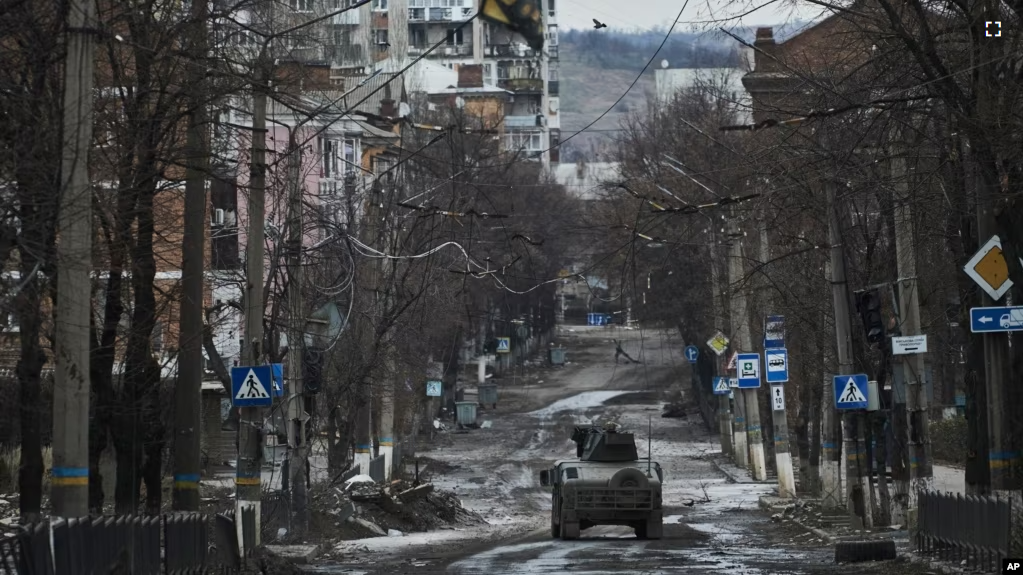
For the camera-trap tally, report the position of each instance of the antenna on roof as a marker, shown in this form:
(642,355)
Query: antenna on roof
(649,444)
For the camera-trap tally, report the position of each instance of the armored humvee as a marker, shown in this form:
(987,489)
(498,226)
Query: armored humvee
(606,485)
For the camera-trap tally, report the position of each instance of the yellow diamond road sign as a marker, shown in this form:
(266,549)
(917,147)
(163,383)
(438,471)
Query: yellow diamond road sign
(988,268)
(718,343)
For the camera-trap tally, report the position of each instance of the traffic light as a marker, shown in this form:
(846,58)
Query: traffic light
(522,16)
(868,304)
(312,369)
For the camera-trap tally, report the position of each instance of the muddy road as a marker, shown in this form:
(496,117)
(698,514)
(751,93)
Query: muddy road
(711,525)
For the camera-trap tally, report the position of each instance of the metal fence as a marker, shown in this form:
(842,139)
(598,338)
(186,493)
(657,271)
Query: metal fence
(160,545)
(971,528)
(355,470)
(274,514)
(376,468)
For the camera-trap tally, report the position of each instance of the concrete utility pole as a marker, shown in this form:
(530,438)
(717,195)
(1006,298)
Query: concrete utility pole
(247,473)
(188,388)
(70,472)
(296,409)
(921,474)
(857,481)
(744,342)
(724,407)
(782,454)
(363,420)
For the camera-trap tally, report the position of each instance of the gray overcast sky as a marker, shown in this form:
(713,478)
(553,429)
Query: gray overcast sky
(647,14)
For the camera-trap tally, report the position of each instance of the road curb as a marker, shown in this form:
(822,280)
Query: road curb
(728,475)
(910,554)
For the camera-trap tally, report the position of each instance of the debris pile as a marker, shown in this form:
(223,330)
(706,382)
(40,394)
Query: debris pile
(363,508)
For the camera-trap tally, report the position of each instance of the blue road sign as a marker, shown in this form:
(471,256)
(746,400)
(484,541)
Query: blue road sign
(774,332)
(250,386)
(994,319)
(851,391)
(777,362)
(747,367)
(722,386)
(692,353)
(434,388)
(503,345)
(278,384)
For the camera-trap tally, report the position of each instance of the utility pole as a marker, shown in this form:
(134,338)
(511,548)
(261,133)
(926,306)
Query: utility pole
(1003,443)
(70,472)
(917,437)
(724,407)
(363,421)
(296,409)
(740,327)
(247,476)
(188,388)
(856,488)
(782,453)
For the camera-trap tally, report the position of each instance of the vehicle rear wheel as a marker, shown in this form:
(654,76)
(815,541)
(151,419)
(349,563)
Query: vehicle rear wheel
(640,530)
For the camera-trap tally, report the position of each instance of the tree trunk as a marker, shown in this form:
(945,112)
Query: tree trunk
(154,437)
(30,365)
(802,433)
(136,391)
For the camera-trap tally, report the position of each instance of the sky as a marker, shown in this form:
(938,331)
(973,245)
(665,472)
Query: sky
(649,14)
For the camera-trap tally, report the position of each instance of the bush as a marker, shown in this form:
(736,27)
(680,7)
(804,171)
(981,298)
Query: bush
(948,440)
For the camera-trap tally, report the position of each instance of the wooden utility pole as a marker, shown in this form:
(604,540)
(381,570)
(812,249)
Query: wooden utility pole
(744,342)
(247,476)
(779,419)
(857,480)
(70,472)
(724,403)
(298,454)
(188,388)
(921,474)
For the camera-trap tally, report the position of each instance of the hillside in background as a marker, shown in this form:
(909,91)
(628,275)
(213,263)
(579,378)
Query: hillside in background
(597,67)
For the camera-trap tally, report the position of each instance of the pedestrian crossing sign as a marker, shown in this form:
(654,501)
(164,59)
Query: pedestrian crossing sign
(721,386)
(503,345)
(250,384)
(851,391)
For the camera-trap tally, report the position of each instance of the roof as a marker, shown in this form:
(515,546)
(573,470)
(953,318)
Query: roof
(433,78)
(586,180)
(367,97)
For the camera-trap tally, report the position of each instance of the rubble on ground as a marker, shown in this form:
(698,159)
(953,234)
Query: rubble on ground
(360,509)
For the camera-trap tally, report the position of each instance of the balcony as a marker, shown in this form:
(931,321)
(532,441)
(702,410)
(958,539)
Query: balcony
(523,85)
(520,121)
(553,87)
(509,51)
(453,50)
(552,51)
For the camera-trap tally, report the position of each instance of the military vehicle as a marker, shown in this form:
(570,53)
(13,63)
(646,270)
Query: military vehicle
(606,485)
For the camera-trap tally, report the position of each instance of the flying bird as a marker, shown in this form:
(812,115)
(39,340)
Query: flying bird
(597,24)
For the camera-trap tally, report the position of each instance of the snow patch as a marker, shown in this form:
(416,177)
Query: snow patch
(582,401)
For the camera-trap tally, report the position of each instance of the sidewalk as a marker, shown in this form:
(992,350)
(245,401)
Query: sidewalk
(835,526)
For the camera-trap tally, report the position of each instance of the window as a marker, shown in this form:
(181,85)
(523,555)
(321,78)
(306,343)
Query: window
(552,34)
(455,37)
(351,161)
(417,37)
(415,14)
(527,141)
(380,4)
(328,153)
(571,473)
(380,36)
(551,9)
(302,5)
(552,72)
